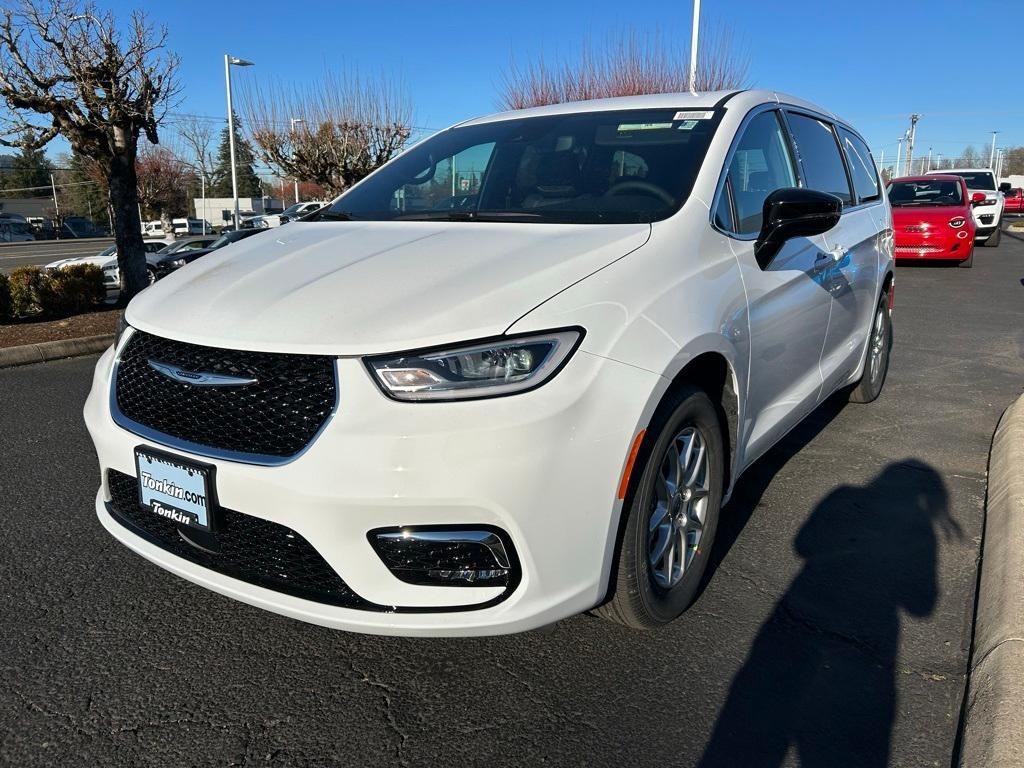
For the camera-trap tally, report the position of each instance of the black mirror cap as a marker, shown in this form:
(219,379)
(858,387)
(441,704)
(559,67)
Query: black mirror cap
(794,212)
(1005,187)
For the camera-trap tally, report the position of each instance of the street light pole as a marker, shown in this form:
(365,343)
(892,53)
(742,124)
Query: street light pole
(228,61)
(294,121)
(899,151)
(992,155)
(693,46)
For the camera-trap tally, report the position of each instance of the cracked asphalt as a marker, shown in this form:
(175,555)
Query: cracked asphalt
(834,630)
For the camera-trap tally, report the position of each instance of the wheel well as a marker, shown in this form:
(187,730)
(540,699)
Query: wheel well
(887,283)
(712,373)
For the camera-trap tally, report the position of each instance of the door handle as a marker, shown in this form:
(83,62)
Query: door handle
(825,260)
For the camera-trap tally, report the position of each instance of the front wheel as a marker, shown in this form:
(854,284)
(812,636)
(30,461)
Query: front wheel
(969,261)
(876,366)
(993,240)
(672,514)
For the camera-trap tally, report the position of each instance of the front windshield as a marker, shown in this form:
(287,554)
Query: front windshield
(596,167)
(978,179)
(925,193)
(220,242)
(292,209)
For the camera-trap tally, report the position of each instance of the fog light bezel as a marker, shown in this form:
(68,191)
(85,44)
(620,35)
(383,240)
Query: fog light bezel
(443,531)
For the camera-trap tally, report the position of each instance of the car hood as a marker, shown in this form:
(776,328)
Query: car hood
(99,261)
(931,215)
(354,288)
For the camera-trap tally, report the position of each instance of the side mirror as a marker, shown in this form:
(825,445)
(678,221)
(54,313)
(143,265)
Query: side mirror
(977,197)
(1005,187)
(793,212)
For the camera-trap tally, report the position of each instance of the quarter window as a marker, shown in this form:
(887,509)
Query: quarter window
(821,162)
(760,165)
(862,167)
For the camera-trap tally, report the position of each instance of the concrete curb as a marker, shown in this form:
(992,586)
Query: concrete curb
(53,350)
(993,734)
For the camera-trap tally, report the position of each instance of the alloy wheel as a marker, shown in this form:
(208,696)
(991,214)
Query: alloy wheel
(679,507)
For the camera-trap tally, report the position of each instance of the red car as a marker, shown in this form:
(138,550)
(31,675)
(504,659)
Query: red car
(1014,200)
(932,218)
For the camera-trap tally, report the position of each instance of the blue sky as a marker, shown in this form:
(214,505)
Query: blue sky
(872,62)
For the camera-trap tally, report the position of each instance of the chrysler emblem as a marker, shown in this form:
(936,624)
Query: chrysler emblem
(199,378)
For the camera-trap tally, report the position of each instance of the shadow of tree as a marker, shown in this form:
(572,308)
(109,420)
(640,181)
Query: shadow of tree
(820,676)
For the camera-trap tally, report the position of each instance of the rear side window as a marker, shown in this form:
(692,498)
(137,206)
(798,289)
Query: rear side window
(862,167)
(819,155)
(760,165)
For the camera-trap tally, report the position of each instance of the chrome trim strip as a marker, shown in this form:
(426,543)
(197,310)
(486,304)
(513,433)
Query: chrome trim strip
(197,449)
(488,539)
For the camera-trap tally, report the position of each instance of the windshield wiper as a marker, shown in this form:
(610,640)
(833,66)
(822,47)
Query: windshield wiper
(468,216)
(335,216)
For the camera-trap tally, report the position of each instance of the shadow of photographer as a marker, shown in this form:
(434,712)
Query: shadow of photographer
(820,678)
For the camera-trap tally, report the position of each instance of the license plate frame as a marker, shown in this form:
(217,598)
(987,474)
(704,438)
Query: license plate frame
(187,475)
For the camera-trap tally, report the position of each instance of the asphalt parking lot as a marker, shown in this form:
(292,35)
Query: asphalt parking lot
(834,630)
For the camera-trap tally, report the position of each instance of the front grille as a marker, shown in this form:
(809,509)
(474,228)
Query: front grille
(275,418)
(253,550)
(987,218)
(916,249)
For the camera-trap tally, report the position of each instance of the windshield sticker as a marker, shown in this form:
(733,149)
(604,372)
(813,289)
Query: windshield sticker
(686,125)
(693,115)
(644,126)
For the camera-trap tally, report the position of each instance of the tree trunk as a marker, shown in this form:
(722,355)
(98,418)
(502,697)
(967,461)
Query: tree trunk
(124,201)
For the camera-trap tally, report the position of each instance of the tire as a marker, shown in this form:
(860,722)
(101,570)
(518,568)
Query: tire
(969,261)
(648,591)
(151,275)
(876,364)
(993,240)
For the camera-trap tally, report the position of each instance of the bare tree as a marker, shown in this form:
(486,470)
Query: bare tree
(332,132)
(163,179)
(627,64)
(197,134)
(99,87)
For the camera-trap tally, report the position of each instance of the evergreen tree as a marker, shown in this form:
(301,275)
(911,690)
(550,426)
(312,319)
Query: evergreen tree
(82,190)
(29,168)
(248,181)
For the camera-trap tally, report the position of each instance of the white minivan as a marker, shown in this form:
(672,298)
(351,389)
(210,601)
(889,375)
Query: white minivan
(511,376)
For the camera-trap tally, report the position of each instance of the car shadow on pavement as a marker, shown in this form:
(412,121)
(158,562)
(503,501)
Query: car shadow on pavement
(820,678)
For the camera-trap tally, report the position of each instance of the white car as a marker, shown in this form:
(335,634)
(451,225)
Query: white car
(988,213)
(292,212)
(103,258)
(468,409)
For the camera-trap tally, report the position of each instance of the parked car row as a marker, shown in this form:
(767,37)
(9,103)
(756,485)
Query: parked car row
(945,214)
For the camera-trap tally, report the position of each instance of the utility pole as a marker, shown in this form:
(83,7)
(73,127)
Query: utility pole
(53,186)
(295,120)
(992,155)
(899,150)
(911,134)
(693,46)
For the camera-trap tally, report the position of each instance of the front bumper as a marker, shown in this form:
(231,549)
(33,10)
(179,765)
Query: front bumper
(543,466)
(954,244)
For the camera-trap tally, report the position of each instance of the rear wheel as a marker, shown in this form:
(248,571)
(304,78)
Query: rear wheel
(993,240)
(672,516)
(876,366)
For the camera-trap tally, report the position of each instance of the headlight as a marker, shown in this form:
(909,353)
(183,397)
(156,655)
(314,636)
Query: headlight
(957,221)
(502,366)
(990,201)
(176,263)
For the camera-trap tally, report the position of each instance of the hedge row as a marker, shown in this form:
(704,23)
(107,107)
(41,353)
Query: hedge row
(31,292)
